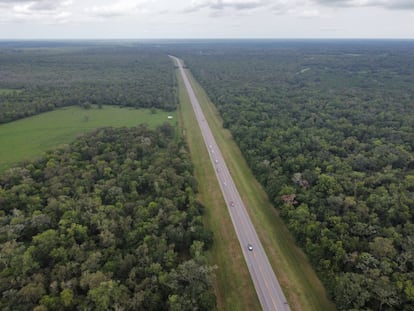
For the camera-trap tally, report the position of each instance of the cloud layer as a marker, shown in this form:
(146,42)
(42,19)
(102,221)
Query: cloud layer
(296,4)
(42,11)
(41,5)
(70,10)
(117,8)
(237,18)
(227,4)
(387,4)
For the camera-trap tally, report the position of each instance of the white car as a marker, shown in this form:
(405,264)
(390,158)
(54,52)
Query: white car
(249,247)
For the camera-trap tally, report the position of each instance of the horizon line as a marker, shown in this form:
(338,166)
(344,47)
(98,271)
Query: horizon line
(211,38)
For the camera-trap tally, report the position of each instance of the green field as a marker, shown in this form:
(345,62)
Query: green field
(28,138)
(8,91)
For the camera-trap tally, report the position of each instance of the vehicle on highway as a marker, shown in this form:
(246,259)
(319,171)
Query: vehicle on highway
(265,282)
(231,203)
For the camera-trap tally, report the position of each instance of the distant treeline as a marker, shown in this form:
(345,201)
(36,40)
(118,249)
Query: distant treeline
(328,130)
(35,80)
(109,222)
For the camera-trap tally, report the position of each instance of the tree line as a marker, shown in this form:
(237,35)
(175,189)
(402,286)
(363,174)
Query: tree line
(35,80)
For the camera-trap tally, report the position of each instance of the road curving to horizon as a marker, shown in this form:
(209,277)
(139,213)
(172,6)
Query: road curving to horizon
(267,287)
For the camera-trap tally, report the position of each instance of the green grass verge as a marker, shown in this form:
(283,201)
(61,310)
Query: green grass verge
(301,285)
(233,286)
(28,138)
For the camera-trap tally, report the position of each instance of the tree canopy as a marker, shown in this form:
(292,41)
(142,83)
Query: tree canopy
(109,222)
(327,128)
(35,80)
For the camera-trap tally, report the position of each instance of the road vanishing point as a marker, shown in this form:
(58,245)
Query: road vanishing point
(267,287)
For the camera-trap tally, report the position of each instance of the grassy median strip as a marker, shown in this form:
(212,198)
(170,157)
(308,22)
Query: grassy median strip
(300,284)
(233,286)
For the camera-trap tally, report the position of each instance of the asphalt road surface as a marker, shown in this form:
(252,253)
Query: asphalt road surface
(267,286)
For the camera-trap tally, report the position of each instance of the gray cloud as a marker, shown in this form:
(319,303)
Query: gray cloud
(31,2)
(118,8)
(15,1)
(238,5)
(40,5)
(226,4)
(401,4)
(334,2)
(46,5)
(387,4)
(282,7)
(37,11)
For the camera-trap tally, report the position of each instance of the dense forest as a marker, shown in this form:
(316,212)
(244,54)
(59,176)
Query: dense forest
(328,129)
(109,222)
(35,79)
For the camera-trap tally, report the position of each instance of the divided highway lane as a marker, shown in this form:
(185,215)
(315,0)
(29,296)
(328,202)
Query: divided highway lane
(267,286)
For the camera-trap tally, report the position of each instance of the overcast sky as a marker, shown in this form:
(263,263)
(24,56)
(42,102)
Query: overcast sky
(71,19)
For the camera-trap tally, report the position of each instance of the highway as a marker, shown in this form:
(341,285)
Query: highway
(264,279)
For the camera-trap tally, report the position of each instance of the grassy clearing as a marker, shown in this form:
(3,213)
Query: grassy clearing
(27,138)
(302,287)
(9,91)
(233,286)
